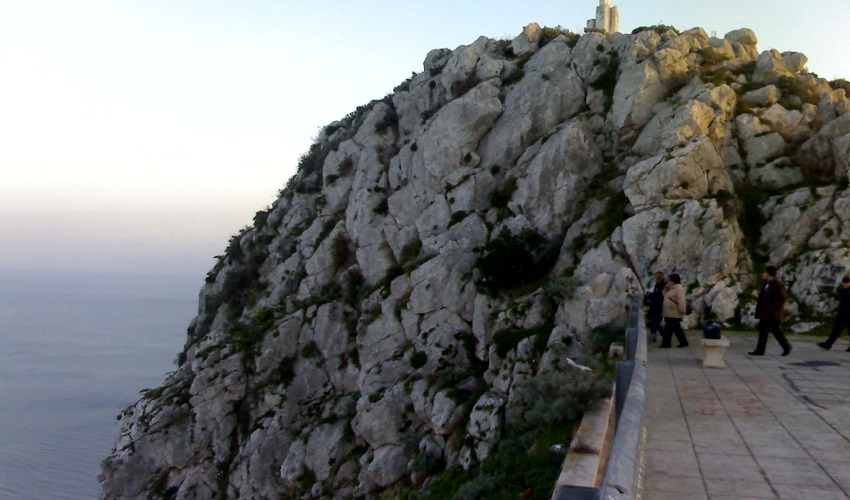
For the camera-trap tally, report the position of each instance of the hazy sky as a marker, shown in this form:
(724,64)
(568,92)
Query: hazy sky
(140,135)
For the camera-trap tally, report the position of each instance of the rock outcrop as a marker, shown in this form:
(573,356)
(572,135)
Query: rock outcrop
(354,338)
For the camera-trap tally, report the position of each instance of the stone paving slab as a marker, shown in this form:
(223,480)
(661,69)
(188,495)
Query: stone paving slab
(766,427)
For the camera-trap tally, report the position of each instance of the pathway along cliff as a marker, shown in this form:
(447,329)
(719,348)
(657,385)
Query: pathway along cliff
(415,310)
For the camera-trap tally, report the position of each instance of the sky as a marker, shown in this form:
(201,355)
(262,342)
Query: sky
(138,136)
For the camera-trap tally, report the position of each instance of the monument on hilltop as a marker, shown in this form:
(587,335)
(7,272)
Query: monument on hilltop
(607,18)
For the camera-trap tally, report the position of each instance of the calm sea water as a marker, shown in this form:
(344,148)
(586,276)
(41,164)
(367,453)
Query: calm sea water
(75,349)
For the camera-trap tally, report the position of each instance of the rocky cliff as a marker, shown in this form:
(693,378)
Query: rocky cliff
(442,250)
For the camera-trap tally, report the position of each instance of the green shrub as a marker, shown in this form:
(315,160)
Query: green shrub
(556,397)
(458,217)
(260,219)
(383,207)
(345,166)
(517,73)
(509,261)
(426,464)
(658,28)
(341,253)
(841,84)
(213,273)
(501,197)
(712,56)
(508,339)
(311,350)
(602,337)
(750,217)
(234,247)
(245,335)
(562,288)
(791,88)
(461,87)
(614,215)
(410,251)
(389,120)
(747,70)
(549,34)
(285,372)
(548,407)
(607,81)
(677,81)
(479,487)
(418,359)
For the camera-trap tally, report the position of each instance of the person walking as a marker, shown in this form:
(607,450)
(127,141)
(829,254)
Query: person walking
(673,308)
(655,301)
(769,312)
(842,317)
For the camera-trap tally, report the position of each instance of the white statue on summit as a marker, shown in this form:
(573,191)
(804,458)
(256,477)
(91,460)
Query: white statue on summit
(607,18)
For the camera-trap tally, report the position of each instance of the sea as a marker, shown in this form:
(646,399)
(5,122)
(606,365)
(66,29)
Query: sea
(75,349)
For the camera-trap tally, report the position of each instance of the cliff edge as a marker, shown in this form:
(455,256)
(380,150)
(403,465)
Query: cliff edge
(443,254)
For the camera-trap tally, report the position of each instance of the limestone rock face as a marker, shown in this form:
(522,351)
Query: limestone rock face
(444,247)
(691,172)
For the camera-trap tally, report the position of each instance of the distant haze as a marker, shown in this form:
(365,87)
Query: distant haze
(138,136)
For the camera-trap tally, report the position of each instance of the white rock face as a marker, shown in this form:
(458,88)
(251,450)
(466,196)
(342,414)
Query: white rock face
(485,424)
(762,97)
(771,66)
(352,344)
(552,180)
(691,172)
(549,93)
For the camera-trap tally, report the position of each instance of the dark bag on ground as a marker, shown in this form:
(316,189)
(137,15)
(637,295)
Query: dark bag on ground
(711,330)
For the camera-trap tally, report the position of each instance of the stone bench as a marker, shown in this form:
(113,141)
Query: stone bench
(713,349)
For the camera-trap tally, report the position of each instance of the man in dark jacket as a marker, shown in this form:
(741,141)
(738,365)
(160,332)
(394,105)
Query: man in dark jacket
(769,312)
(842,317)
(655,300)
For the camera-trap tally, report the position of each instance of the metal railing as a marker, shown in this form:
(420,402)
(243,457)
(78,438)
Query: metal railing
(624,473)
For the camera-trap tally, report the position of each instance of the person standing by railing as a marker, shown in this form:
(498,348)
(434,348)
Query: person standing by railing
(655,301)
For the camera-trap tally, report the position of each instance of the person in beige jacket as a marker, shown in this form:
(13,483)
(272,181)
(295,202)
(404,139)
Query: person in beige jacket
(673,309)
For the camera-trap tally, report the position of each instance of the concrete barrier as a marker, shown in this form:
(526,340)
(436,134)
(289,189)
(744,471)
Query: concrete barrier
(623,474)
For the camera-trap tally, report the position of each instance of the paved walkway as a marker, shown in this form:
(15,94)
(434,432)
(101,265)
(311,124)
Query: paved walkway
(763,427)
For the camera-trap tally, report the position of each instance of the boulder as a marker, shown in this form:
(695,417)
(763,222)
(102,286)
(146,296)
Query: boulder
(763,148)
(485,424)
(762,97)
(670,129)
(388,466)
(721,48)
(787,123)
(528,41)
(795,61)
(638,89)
(770,67)
(743,42)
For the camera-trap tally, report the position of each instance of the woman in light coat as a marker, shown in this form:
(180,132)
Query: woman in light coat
(673,309)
